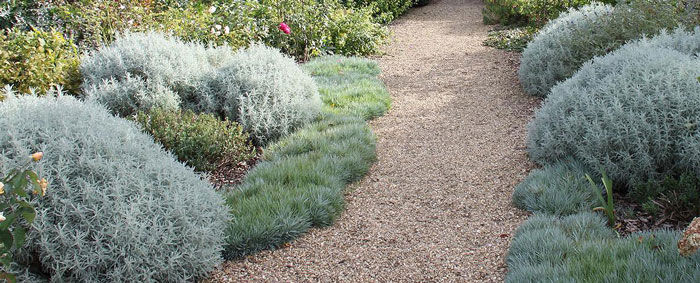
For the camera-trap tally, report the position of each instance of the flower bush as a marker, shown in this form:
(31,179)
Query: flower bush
(17,212)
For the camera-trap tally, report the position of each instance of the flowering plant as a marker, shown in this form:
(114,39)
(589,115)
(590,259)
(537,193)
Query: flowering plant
(15,205)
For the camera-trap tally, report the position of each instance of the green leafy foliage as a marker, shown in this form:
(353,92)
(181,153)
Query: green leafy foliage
(521,12)
(607,206)
(318,26)
(38,60)
(515,39)
(17,190)
(385,11)
(562,46)
(119,208)
(580,248)
(631,113)
(301,181)
(558,189)
(679,196)
(202,141)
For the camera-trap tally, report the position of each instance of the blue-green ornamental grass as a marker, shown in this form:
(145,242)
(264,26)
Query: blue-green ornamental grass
(581,248)
(557,189)
(301,182)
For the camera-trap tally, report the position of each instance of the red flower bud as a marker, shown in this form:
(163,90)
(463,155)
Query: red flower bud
(285,28)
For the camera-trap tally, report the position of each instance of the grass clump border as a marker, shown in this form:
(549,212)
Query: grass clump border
(302,179)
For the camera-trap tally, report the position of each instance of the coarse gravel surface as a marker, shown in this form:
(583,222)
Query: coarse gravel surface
(436,206)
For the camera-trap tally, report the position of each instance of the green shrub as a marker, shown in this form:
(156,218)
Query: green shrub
(267,93)
(140,71)
(26,14)
(385,11)
(631,113)
(202,141)
(94,23)
(318,27)
(350,86)
(679,196)
(38,60)
(563,45)
(119,208)
(520,12)
(580,248)
(559,189)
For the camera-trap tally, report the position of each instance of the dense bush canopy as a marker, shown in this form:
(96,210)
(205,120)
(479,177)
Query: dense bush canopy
(118,208)
(632,112)
(564,44)
(258,87)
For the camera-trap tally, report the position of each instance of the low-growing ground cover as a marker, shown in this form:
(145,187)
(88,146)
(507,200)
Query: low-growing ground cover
(301,181)
(629,113)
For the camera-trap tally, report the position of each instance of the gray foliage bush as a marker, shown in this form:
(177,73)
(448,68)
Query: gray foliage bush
(267,93)
(633,113)
(141,70)
(263,90)
(564,44)
(558,189)
(118,207)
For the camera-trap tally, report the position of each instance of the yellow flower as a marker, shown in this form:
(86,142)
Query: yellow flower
(43,184)
(37,156)
(2,216)
(2,188)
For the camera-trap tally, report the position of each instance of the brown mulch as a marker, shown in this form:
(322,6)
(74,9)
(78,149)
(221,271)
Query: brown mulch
(230,173)
(436,206)
(630,218)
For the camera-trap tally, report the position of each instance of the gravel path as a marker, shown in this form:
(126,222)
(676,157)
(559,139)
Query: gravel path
(436,206)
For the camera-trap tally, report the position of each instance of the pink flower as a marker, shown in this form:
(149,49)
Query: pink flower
(285,28)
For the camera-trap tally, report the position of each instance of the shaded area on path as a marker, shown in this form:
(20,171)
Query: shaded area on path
(436,205)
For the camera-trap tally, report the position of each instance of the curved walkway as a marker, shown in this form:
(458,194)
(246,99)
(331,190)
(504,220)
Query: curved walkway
(436,205)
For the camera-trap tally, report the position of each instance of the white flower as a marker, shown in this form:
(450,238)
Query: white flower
(212,9)
(2,216)
(218,27)
(226,30)
(122,7)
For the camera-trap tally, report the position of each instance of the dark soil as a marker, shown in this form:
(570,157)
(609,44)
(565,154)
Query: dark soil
(630,218)
(230,173)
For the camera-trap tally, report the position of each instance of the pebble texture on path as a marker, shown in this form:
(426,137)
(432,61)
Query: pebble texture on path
(436,206)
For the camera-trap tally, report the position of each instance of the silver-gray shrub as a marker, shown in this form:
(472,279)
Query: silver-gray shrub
(118,207)
(267,93)
(259,87)
(141,70)
(564,44)
(634,112)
